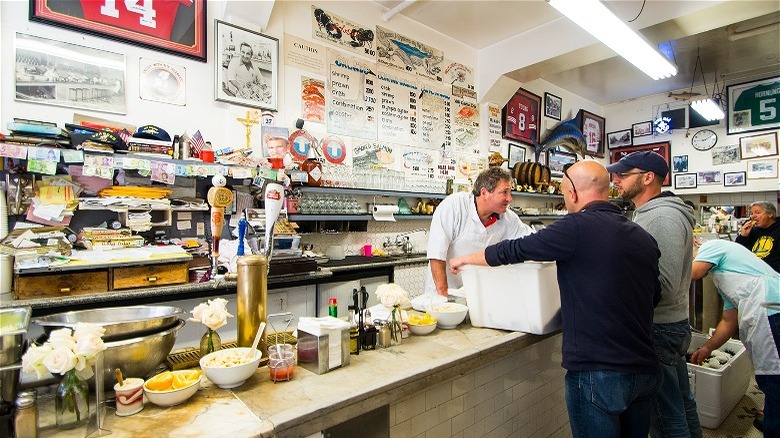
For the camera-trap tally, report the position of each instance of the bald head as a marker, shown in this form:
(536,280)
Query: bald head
(588,181)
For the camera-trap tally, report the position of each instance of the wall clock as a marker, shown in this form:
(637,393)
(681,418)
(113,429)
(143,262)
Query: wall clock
(704,140)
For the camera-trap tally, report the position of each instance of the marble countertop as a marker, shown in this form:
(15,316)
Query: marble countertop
(309,402)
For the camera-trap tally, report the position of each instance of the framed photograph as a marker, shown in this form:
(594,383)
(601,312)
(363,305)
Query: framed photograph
(680,163)
(247,64)
(162,82)
(753,106)
(663,149)
(553,106)
(685,181)
(520,117)
(731,179)
(642,129)
(710,177)
(592,127)
(761,169)
(516,154)
(174,27)
(556,160)
(725,154)
(619,139)
(63,74)
(756,146)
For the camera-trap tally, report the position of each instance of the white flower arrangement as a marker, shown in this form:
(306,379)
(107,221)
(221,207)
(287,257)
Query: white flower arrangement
(65,350)
(213,314)
(392,295)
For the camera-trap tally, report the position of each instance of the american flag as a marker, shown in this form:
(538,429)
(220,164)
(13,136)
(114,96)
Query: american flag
(197,144)
(124,134)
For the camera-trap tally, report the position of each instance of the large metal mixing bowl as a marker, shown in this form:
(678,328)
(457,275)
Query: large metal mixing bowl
(119,322)
(13,334)
(138,357)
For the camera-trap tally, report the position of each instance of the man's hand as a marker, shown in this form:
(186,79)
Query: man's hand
(746,228)
(700,354)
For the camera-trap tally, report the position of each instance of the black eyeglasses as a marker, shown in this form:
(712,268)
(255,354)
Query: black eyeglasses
(622,175)
(566,174)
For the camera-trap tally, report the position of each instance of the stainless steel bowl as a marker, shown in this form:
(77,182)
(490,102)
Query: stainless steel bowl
(13,335)
(119,322)
(138,357)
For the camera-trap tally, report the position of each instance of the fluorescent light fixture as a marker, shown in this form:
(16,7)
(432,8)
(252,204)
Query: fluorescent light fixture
(600,22)
(708,109)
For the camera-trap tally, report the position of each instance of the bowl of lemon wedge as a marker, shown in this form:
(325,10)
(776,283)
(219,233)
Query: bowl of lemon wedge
(171,388)
(421,323)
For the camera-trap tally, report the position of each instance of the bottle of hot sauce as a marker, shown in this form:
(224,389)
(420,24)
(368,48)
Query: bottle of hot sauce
(313,168)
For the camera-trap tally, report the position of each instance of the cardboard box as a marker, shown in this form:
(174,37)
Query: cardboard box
(523,297)
(717,391)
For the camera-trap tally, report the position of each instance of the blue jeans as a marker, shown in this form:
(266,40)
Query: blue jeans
(770,386)
(605,404)
(673,407)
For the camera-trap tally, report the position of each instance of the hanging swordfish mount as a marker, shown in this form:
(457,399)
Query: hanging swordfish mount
(566,134)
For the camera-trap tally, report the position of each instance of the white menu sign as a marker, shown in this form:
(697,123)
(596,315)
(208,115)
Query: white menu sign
(397,96)
(351,100)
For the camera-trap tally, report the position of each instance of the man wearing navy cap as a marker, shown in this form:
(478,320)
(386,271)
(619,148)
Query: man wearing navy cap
(639,177)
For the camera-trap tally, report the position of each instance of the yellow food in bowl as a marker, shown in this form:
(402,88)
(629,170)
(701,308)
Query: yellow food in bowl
(168,381)
(424,319)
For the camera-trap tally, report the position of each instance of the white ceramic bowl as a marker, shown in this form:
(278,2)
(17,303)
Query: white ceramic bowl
(172,397)
(448,315)
(420,330)
(229,376)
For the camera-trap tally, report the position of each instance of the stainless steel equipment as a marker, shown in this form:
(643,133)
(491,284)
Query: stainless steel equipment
(13,342)
(119,322)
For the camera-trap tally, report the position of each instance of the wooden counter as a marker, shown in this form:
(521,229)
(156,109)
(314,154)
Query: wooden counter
(311,403)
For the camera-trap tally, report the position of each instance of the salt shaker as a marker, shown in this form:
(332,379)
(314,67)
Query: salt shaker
(26,419)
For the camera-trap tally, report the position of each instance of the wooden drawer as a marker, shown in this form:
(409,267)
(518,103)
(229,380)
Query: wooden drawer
(150,275)
(60,284)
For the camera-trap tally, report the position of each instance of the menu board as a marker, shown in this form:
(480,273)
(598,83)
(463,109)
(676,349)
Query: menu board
(435,119)
(408,54)
(351,98)
(419,163)
(397,96)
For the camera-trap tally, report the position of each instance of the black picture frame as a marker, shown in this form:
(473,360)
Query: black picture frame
(680,163)
(642,129)
(185,36)
(592,127)
(515,115)
(553,106)
(749,111)
(619,139)
(733,179)
(556,160)
(685,181)
(516,154)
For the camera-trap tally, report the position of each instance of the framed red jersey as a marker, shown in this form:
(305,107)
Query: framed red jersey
(520,117)
(173,26)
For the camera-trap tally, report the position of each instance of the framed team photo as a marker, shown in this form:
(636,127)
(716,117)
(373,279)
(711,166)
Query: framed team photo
(753,106)
(520,117)
(553,106)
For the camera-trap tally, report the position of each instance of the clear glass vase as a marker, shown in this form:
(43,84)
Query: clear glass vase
(395,325)
(72,401)
(210,342)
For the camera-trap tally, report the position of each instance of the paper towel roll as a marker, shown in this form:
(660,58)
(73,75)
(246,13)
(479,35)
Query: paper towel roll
(6,273)
(385,212)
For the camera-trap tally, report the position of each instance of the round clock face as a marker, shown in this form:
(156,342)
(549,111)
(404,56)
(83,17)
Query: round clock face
(704,140)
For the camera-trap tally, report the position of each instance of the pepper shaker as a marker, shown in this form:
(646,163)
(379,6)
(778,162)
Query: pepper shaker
(26,419)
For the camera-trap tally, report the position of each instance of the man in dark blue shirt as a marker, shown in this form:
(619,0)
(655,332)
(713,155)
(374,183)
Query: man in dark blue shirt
(608,278)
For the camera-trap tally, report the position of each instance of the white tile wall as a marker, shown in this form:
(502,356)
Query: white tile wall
(521,395)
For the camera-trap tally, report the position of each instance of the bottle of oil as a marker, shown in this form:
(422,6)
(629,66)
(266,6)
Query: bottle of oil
(354,345)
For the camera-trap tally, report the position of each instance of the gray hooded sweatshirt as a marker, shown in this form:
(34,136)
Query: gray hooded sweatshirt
(670,221)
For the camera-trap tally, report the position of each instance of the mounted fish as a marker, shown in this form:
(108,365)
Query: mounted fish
(566,134)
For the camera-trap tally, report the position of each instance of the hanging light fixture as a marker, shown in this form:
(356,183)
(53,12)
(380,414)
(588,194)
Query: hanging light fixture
(707,107)
(600,22)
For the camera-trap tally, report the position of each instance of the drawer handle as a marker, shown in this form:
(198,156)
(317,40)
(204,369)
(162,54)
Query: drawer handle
(151,279)
(64,289)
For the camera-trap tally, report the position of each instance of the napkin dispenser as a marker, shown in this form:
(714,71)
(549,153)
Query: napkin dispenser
(323,344)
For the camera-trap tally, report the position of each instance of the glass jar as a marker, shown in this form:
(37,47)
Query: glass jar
(383,334)
(71,401)
(26,419)
(210,342)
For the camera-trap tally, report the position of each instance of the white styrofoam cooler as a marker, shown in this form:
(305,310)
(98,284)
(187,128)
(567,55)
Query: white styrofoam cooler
(522,297)
(717,391)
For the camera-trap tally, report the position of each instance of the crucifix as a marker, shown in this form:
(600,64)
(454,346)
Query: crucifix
(247,122)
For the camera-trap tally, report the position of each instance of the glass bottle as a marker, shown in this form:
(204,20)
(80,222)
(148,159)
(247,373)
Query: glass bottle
(71,401)
(333,307)
(313,168)
(26,419)
(210,342)
(354,347)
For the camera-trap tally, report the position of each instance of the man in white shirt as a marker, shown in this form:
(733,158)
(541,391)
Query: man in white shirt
(467,222)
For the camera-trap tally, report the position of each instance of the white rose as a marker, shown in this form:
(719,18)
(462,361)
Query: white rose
(197,312)
(89,347)
(32,361)
(60,360)
(214,319)
(219,304)
(87,330)
(62,338)
(391,295)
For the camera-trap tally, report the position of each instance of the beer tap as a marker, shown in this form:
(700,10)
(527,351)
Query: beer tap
(218,197)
